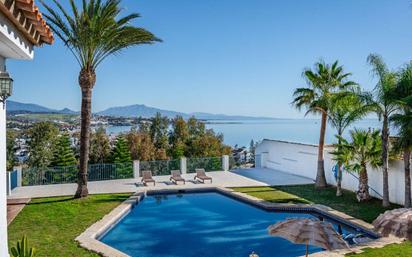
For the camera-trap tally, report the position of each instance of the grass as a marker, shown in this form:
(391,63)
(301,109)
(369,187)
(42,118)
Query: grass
(367,211)
(271,194)
(394,250)
(52,224)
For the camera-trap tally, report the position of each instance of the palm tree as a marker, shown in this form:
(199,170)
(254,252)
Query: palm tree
(385,106)
(403,121)
(364,149)
(323,82)
(92,33)
(345,109)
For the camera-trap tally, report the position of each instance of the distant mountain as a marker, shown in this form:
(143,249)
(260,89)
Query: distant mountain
(148,112)
(136,110)
(14,107)
(67,111)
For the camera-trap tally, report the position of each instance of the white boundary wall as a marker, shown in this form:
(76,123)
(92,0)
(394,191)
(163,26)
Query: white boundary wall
(301,159)
(3,183)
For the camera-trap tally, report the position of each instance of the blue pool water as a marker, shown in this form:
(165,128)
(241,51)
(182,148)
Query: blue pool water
(200,224)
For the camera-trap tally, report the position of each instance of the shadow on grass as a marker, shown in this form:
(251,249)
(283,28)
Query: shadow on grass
(115,198)
(288,200)
(103,198)
(50,200)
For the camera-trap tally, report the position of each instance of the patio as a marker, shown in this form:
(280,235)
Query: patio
(237,178)
(273,177)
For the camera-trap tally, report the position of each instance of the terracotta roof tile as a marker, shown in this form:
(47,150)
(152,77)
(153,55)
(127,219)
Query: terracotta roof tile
(25,15)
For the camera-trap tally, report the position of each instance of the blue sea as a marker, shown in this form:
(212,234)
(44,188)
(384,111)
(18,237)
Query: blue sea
(241,132)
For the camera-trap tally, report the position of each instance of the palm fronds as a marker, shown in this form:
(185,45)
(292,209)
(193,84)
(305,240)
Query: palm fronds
(94,32)
(324,80)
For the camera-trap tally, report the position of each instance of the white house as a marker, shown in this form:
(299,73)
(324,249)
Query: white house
(21,28)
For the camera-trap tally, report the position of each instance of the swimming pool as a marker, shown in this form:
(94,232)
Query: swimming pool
(202,224)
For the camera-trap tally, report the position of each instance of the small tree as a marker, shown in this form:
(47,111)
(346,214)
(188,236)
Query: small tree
(159,131)
(121,157)
(252,149)
(140,145)
(42,140)
(99,146)
(178,150)
(121,153)
(11,145)
(179,131)
(364,149)
(63,153)
(178,137)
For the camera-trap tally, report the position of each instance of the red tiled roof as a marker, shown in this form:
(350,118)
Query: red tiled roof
(25,15)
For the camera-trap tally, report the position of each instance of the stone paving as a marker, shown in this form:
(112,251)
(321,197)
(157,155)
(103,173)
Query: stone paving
(273,177)
(220,178)
(236,178)
(14,207)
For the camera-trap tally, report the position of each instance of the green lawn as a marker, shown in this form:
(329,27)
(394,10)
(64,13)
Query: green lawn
(52,224)
(271,194)
(393,250)
(347,203)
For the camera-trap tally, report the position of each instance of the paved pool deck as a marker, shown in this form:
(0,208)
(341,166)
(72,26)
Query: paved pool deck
(236,178)
(273,177)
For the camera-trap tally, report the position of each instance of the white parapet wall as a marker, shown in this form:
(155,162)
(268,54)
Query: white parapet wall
(3,183)
(301,159)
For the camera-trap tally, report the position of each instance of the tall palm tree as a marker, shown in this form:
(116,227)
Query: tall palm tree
(364,149)
(385,106)
(403,121)
(323,81)
(345,109)
(92,33)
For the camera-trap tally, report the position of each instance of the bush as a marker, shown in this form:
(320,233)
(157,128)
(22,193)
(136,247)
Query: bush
(22,249)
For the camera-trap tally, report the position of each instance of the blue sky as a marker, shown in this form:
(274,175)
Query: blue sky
(225,56)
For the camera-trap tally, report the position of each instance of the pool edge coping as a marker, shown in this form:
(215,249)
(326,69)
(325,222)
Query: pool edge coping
(89,239)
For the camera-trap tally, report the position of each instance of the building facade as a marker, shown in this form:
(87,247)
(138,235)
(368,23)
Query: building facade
(22,27)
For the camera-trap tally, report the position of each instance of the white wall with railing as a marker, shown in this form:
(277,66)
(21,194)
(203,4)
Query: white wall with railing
(34,176)
(301,159)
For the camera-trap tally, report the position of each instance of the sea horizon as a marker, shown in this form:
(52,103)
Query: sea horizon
(241,132)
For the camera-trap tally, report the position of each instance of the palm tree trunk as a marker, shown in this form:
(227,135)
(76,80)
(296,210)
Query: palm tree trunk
(363,191)
(320,176)
(87,79)
(340,167)
(407,164)
(385,147)
(339,181)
